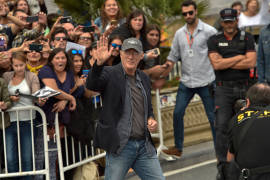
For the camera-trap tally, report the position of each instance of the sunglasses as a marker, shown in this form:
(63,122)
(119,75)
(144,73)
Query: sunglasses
(74,51)
(116,45)
(59,38)
(186,13)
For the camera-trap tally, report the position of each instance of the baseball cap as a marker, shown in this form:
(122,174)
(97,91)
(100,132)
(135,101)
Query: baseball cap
(132,43)
(228,14)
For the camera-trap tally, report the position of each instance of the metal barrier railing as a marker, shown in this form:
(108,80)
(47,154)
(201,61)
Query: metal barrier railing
(94,154)
(160,131)
(45,170)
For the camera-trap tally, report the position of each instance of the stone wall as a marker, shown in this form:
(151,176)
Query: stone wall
(197,128)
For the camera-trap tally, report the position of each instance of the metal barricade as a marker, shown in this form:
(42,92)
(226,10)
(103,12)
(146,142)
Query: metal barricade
(160,132)
(45,170)
(94,154)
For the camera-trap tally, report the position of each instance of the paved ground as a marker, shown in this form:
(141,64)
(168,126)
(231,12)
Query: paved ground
(197,163)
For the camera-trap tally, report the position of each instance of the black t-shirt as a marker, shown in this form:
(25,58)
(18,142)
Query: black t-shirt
(229,48)
(255,146)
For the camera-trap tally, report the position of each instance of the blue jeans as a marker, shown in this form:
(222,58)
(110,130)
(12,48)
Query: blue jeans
(134,156)
(184,95)
(26,148)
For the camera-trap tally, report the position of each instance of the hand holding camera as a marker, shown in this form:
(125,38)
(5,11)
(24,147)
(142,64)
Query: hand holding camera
(153,53)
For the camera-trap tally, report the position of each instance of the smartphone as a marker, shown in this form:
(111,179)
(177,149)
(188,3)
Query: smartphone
(35,47)
(88,29)
(2,41)
(114,22)
(66,19)
(156,51)
(31,19)
(85,72)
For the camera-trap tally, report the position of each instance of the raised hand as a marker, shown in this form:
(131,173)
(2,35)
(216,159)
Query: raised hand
(103,51)
(42,18)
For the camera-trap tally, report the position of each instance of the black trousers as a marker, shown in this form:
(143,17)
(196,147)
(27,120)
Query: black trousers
(225,98)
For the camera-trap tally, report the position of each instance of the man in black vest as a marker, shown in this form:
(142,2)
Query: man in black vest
(232,54)
(249,136)
(127,117)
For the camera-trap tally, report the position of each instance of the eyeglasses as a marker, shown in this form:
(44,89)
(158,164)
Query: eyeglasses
(116,45)
(74,51)
(129,53)
(59,38)
(85,38)
(186,13)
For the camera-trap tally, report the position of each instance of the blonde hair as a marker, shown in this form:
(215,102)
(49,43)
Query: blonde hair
(258,4)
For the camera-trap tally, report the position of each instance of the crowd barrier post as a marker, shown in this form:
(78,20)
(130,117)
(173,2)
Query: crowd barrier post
(71,163)
(44,171)
(160,131)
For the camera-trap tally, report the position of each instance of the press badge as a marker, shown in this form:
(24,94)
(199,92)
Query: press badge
(190,53)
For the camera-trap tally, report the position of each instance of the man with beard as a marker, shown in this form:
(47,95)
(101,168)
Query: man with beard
(190,47)
(232,54)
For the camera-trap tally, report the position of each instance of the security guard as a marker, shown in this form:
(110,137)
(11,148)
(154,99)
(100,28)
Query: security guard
(249,137)
(232,53)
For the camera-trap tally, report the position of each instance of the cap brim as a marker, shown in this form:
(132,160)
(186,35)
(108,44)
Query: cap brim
(124,49)
(229,19)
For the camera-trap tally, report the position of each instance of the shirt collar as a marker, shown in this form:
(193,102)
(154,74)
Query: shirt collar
(136,74)
(199,26)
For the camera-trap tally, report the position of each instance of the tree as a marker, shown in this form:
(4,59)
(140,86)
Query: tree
(157,11)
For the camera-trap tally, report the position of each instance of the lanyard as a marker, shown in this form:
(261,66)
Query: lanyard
(190,40)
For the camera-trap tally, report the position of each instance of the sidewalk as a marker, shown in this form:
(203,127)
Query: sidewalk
(192,155)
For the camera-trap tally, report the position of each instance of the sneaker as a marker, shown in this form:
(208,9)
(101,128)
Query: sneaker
(174,152)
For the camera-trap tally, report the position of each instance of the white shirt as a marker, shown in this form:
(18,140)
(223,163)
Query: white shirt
(23,101)
(246,21)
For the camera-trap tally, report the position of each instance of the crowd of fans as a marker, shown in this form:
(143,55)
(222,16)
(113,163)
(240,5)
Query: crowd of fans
(35,53)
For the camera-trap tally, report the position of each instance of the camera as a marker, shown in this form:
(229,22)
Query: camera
(35,47)
(88,29)
(114,22)
(239,104)
(67,19)
(31,19)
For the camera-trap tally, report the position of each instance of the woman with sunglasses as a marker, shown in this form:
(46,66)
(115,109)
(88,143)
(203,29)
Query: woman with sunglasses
(85,109)
(115,43)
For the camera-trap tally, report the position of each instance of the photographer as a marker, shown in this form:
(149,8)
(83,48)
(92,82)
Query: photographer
(248,130)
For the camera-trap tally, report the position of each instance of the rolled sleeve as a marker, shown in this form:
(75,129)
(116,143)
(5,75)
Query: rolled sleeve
(175,53)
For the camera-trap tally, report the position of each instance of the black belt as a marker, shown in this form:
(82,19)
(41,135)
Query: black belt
(233,83)
(246,173)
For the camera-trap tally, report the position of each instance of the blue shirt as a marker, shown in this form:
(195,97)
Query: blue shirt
(263,55)
(196,69)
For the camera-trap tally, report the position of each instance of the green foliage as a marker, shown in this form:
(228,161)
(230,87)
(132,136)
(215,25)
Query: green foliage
(157,11)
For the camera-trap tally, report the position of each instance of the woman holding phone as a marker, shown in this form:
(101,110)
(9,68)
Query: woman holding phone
(111,17)
(151,56)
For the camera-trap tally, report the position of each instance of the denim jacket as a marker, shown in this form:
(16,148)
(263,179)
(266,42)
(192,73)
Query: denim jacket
(263,55)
